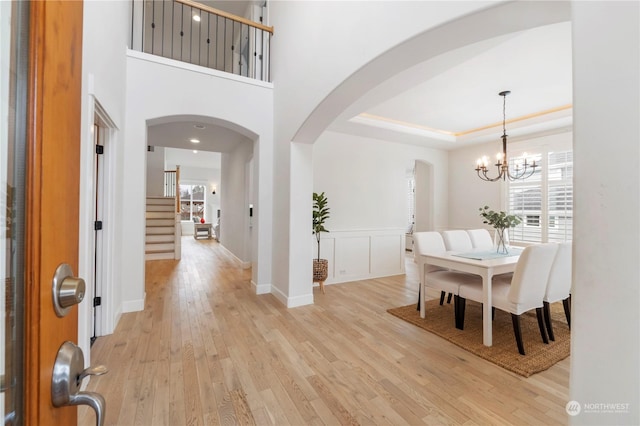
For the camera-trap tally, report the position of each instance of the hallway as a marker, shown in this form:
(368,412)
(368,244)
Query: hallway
(206,350)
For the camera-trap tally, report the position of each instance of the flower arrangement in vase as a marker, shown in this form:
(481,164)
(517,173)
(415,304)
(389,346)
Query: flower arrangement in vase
(501,221)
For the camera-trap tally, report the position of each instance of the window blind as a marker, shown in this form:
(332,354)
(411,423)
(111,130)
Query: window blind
(544,201)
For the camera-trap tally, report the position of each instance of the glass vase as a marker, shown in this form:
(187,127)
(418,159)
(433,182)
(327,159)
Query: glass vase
(501,241)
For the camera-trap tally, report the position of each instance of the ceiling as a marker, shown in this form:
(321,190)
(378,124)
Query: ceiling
(452,101)
(448,102)
(210,137)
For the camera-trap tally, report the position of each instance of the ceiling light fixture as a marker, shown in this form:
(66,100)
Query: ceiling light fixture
(196,18)
(195,151)
(194,140)
(522,169)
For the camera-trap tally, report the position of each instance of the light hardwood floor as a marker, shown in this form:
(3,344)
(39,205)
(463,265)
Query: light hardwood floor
(206,350)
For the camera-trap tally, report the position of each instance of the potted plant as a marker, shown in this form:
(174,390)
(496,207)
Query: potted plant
(320,216)
(501,221)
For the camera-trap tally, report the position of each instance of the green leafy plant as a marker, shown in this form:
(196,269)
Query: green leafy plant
(499,220)
(320,216)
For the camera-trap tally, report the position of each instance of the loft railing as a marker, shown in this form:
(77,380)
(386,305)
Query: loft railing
(195,33)
(172,185)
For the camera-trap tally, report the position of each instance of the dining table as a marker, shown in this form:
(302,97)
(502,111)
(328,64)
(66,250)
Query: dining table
(486,264)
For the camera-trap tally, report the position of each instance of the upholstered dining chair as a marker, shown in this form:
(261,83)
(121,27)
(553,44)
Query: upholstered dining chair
(480,238)
(559,286)
(457,240)
(520,293)
(428,242)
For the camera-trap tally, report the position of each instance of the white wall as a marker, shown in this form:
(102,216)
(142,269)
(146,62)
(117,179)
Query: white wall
(605,326)
(468,192)
(158,87)
(365,181)
(105,29)
(297,45)
(234,216)
(155,172)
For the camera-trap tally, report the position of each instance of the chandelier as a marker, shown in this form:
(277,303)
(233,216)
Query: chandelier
(521,169)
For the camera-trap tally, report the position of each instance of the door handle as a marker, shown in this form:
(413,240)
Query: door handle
(67,290)
(68,372)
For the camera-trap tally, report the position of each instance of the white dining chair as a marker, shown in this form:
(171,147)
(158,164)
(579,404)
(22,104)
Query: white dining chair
(457,240)
(559,286)
(519,294)
(480,238)
(428,242)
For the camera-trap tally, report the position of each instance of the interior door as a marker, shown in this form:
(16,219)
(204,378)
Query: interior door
(52,195)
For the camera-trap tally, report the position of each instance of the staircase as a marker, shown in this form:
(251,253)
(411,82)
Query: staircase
(160,229)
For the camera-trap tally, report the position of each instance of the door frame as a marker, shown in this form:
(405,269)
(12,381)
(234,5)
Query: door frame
(107,317)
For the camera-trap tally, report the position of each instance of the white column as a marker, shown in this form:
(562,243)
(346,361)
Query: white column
(605,366)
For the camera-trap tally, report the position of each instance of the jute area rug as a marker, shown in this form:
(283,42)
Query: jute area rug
(504,352)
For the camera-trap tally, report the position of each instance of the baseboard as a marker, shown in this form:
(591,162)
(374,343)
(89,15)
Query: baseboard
(262,288)
(291,302)
(294,302)
(243,264)
(133,305)
(350,278)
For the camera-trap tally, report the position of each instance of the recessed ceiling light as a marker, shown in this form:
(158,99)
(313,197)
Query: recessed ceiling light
(196,18)
(195,151)
(199,126)
(194,140)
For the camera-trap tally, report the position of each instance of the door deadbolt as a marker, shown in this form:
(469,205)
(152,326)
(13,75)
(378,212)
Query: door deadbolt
(68,372)
(67,290)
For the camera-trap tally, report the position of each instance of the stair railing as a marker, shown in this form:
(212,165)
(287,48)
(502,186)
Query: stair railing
(198,34)
(172,186)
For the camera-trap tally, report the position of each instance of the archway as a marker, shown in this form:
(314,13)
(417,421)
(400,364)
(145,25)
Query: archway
(412,60)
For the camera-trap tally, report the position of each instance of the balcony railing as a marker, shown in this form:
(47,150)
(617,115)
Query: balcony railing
(192,32)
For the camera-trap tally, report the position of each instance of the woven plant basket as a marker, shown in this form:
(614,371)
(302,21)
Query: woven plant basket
(320,269)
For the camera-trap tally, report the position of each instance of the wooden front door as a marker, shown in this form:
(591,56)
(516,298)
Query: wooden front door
(52,195)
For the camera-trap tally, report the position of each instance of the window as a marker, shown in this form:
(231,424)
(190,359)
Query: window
(544,201)
(191,202)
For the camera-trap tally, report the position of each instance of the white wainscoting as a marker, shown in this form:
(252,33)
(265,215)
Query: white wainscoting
(362,254)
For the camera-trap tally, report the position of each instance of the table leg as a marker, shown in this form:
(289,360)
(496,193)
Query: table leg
(487,326)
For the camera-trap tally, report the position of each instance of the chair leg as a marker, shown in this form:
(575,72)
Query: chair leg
(543,333)
(547,320)
(459,304)
(515,319)
(442,294)
(566,303)
(449,297)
